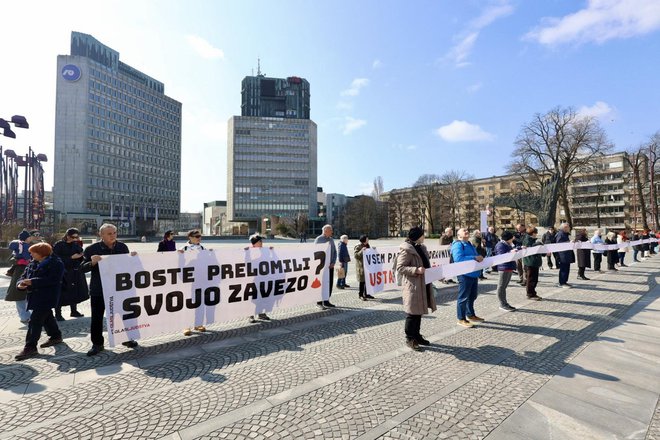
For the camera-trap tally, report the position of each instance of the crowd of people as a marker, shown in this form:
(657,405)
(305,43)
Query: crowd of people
(46,278)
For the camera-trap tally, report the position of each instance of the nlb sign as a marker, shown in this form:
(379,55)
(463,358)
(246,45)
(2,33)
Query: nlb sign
(71,72)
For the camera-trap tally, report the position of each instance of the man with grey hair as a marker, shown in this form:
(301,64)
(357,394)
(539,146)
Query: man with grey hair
(92,255)
(326,237)
(468,284)
(566,258)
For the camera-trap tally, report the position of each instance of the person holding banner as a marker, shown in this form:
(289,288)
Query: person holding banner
(505,270)
(462,250)
(598,255)
(566,258)
(167,244)
(477,242)
(418,298)
(532,263)
(256,241)
(621,239)
(109,245)
(549,238)
(194,244)
(42,279)
(358,253)
(612,256)
(326,237)
(74,283)
(518,238)
(583,255)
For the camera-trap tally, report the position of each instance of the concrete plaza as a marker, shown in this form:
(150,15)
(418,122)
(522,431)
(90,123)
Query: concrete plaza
(584,363)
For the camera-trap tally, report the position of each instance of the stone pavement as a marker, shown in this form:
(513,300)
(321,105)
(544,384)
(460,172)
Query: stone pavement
(582,363)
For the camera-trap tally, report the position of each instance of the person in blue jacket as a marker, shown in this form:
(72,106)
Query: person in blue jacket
(463,250)
(43,281)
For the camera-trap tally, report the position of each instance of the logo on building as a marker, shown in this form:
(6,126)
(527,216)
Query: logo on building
(71,72)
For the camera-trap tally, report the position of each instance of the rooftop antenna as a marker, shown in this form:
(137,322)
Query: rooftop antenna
(259,67)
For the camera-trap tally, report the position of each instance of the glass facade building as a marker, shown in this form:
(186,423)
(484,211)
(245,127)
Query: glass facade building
(275,97)
(117,140)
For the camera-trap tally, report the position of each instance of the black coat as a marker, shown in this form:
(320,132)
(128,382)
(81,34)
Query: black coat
(74,283)
(565,257)
(99,248)
(612,257)
(583,255)
(44,293)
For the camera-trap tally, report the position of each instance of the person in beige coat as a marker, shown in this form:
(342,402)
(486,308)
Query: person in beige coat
(411,263)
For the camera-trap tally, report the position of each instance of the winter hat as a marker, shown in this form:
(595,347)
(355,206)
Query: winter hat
(506,235)
(415,233)
(254,238)
(363,238)
(23,235)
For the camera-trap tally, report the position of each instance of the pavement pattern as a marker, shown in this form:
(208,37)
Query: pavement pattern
(582,363)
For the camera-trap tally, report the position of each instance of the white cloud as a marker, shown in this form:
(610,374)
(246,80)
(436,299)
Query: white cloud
(344,105)
(463,131)
(352,124)
(600,110)
(355,87)
(377,64)
(600,21)
(204,48)
(465,40)
(474,88)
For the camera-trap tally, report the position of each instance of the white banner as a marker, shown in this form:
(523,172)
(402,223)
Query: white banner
(461,268)
(151,294)
(484,222)
(379,262)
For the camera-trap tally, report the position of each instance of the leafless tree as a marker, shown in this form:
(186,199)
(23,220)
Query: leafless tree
(397,209)
(427,191)
(638,162)
(558,142)
(379,189)
(457,196)
(654,158)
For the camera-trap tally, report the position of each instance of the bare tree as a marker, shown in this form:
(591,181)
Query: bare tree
(654,147)
(638,161)
(378,188)
(397,209)
(558,142)
(456,195)
(427,192)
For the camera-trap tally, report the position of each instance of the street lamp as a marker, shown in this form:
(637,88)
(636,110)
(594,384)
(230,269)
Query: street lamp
(17,120)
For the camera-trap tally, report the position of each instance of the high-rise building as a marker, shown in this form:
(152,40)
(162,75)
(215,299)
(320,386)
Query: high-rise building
(271,153)
(117,141)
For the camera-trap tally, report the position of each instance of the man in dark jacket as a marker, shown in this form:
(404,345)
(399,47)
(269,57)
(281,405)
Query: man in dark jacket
(43,281)
(549,238)
(518,239)
(566,258)
(344,258)
(93,254)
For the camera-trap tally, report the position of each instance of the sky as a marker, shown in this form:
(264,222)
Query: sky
(398,88)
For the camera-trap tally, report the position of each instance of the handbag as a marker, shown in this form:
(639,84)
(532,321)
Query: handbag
(341,273)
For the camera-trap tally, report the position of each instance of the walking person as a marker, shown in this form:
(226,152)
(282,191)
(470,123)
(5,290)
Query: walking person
(598,254)
(566,258)
(621,239)
(612,255)
(462,250)
(194,244)
(505,270)
(532,263)
(42,281)
(344,258)
(411,263)
(21,258)
(74,283)
(326,237)
(257,241)
(167,244)
(583,255)
(358,253)
(109,245)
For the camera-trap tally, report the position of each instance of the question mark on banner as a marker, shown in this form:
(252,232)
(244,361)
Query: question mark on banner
(320,256)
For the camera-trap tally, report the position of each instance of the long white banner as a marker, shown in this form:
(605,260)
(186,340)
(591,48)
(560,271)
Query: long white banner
(151,294)
(379,262)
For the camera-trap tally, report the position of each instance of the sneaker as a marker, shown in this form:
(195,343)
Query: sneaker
(187,332)
(535,298)
(25,322)
(566,286)
(465,323)
(483,278)
(130,344)
(320,305)
(329,304)
(27,352)
(251,320)
(508,308)
(347,286)
(413,344)
(369,297)
(76,314)
(475,318)
(52,341)
(200,328)
(264,317)
(363,298)
(96,349)
(421,341)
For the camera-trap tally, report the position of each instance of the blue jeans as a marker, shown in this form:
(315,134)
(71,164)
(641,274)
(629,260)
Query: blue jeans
(467,294)
(564,269)
(23,312)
